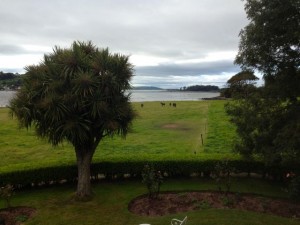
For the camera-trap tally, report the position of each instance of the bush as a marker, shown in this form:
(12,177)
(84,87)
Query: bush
(222,174)
(6,193)
(153,179)
(118,170)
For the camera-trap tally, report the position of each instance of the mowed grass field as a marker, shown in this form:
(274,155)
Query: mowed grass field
(158,133)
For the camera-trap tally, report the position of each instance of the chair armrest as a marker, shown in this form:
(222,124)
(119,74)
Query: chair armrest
(175,222)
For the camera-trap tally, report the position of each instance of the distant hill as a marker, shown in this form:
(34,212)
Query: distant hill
(146,88)
(10,81)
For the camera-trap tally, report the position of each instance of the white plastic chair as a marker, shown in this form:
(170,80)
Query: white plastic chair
(179,222)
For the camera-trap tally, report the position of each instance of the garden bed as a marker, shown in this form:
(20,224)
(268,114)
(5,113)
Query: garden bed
(178,202)
(16,215)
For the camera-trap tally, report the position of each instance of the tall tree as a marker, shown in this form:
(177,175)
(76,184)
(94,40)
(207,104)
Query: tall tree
(77,95)
(268,122)
(241,84)
(270,43)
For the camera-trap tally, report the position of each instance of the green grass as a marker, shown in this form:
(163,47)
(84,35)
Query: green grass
(221,133)
(158,133)
(54,204)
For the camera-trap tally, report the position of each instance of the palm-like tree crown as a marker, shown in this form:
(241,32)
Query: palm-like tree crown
(76,94)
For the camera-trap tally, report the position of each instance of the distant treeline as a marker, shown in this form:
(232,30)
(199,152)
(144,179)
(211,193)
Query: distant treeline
(201,88)
(10,81)
(146,88)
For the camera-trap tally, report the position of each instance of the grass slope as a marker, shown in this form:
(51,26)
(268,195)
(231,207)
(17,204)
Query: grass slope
(158,133)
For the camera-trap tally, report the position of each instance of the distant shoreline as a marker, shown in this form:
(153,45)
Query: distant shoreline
(145,96)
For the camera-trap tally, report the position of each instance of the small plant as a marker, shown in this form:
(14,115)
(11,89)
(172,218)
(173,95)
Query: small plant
(222,175)
(153,179)
(227,201)
(6,193)
(21,218)
(238,197)
(183,194)
(204,205)
(264,204)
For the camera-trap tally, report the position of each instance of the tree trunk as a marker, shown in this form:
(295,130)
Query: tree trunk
(84,159)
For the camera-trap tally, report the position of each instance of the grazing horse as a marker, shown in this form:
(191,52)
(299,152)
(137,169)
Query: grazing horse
(174,104)
(163,104)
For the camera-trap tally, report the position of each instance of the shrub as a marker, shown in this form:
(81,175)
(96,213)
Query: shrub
(21,218)
(204,205)
(222,175)
(6,193)
(153,179)
(117,169)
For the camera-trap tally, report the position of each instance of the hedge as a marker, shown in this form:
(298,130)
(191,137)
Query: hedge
(117,170)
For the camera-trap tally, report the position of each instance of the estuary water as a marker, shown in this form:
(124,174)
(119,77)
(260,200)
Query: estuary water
(164,95)
(5,96)
(141,96)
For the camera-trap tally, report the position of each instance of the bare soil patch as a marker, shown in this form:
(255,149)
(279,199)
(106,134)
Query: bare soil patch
(175,126)
(174,202)
(15,215)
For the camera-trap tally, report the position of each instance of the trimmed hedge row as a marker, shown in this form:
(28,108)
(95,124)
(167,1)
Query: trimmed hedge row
(132,169)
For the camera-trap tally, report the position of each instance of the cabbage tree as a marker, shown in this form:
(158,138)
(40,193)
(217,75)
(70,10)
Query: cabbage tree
(77,95)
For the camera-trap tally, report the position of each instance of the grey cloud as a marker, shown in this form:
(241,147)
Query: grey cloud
(170,29)
(189,69)
(148,26)
(6,49)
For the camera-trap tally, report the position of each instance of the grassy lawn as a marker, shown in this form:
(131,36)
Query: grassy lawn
(221,133)
(158,133)
(111,200)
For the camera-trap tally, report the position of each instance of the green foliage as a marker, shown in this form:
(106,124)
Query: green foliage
(132,169)
(6,193)
(7,76)
(227,201)
(10,81)
(204,205)
(242,78)
(241,85)
(21,218)
(266,127)
(200,88)
(270,42)
(153,180)
(268,120)
(77,95)
(222,174)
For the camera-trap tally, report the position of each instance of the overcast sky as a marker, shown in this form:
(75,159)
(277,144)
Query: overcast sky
(171,43)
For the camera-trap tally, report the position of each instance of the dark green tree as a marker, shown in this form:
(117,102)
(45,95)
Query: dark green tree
(77,95)
(241,84)
(268,120)
(270,43)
